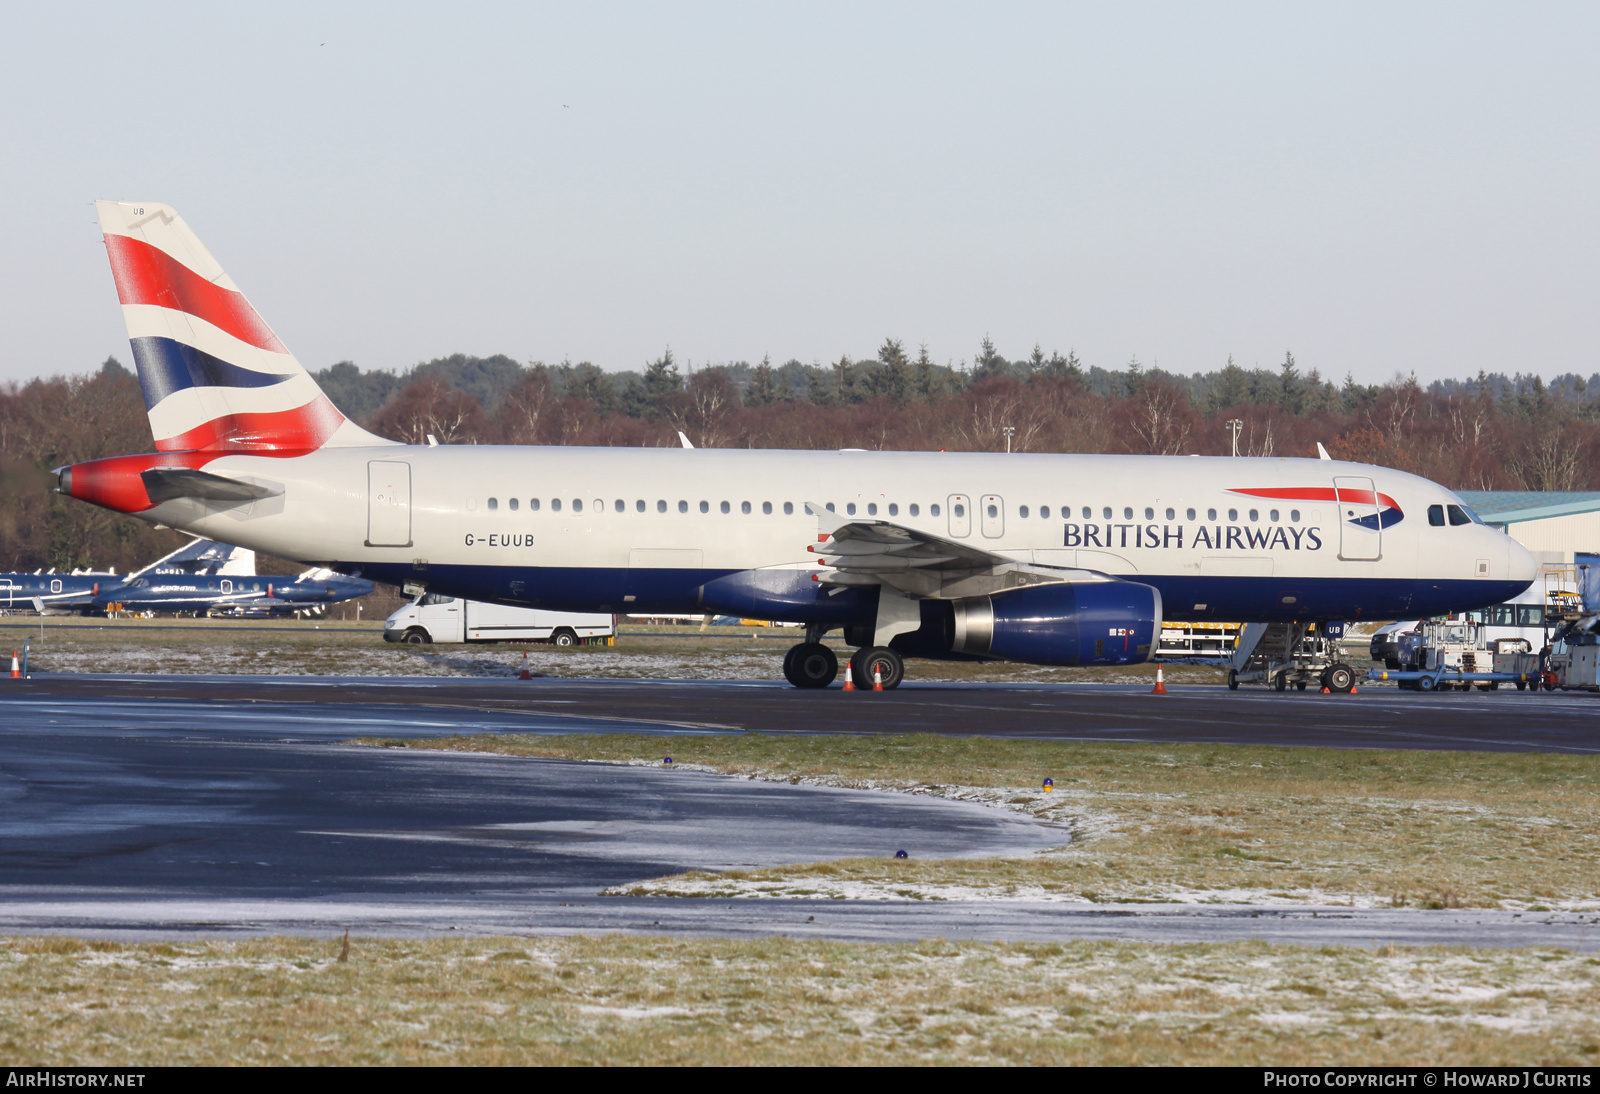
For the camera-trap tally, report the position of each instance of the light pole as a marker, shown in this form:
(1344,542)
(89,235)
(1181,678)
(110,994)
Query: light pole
(1234,425)
(1009,431)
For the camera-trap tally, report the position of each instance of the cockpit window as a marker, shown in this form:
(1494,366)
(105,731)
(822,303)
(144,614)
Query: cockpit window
(1458,515)
(1436,516)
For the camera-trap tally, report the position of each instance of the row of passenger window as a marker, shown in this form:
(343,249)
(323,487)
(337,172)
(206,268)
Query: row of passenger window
(1109,513)
(599,506)
(893,509)
(916,511)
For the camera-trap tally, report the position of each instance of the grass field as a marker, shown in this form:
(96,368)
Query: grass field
(662,1000)
(1225,823)
(337,647)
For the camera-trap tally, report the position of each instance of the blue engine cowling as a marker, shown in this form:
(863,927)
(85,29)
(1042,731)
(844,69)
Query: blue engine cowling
(1094,623)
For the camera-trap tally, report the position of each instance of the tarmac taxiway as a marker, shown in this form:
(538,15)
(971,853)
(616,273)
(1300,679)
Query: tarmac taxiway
(156,806)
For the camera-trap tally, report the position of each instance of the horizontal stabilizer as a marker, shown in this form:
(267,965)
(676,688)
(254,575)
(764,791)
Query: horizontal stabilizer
(167,483)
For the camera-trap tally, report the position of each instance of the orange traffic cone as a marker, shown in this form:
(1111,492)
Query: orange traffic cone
(16,668)
(849,685)
(877,678)
(1326,690)
(525,675)
(1161,685)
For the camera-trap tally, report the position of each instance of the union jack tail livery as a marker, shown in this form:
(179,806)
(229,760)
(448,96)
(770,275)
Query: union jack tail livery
(215,377)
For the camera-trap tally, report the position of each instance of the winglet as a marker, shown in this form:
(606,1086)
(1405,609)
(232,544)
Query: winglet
(683,439)
(1322,453)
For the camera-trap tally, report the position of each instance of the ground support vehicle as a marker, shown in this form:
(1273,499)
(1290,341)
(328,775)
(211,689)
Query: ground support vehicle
(1281,654)
(436,618)
(1204,643)
(1446,679)
(1577,665)
(1528,667)
(1573,660)
(1456,654)
(1529,616)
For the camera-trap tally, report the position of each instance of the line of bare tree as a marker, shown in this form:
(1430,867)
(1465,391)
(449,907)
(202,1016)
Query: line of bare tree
(1491,432)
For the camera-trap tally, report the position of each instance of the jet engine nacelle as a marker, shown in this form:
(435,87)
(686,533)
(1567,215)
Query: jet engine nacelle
(1094,623)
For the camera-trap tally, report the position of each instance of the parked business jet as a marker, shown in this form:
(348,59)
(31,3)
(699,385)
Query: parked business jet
(50,593)
(86,590)
(202,577)
(1050,559)
(242,595)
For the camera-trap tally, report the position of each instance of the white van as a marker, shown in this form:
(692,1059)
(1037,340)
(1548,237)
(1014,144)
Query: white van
(435,618)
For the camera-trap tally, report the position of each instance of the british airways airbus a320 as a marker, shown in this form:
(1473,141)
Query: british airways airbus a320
(1051,559)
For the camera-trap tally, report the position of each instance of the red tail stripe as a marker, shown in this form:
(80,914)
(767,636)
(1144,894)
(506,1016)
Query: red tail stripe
(1322,493)
(148,275)
(279,433)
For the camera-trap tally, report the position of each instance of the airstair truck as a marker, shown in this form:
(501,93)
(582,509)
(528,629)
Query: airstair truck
(436,618)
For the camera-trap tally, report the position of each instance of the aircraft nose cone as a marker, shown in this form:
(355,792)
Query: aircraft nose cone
(1521,565)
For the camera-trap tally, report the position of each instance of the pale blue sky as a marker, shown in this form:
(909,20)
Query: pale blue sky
(1380,188)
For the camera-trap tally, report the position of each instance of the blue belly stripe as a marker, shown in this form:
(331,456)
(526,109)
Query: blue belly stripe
(679,592)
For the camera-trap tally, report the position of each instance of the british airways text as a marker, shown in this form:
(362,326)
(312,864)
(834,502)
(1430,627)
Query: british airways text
(1219,537)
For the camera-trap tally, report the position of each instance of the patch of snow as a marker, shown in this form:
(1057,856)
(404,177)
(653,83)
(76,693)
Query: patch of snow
(633,1013)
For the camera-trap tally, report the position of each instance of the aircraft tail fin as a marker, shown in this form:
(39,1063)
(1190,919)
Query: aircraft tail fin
(215,376)
(198,556)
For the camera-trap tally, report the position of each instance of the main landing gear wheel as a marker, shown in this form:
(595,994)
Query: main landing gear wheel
(1339,678)
(810,665)
(891,669)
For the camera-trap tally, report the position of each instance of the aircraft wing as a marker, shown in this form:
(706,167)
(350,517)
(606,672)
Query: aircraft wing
(921,565)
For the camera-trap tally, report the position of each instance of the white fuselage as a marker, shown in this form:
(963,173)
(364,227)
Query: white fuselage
(626,529)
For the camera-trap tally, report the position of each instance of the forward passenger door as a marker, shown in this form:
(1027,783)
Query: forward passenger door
(1360,521)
